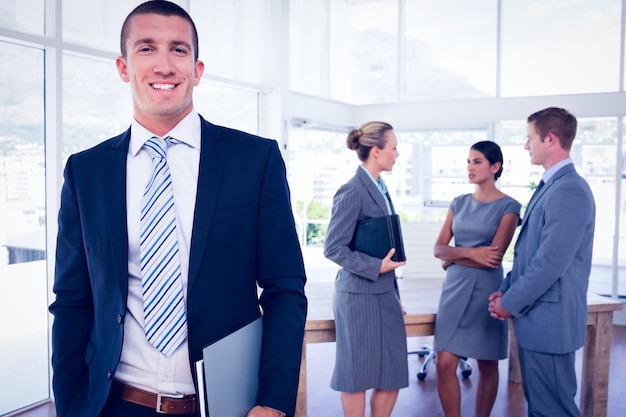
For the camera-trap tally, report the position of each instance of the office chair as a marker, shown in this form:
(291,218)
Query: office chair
(431,355)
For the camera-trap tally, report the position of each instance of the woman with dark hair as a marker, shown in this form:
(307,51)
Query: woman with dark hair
(482,224)
(371,343)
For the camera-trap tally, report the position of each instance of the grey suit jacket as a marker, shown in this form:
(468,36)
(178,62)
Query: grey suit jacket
(546,291)
(357,199)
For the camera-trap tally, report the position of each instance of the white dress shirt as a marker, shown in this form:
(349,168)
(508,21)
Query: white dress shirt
(141,365)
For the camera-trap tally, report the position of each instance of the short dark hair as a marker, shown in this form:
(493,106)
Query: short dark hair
(492,152)
(559,121)
(163,8)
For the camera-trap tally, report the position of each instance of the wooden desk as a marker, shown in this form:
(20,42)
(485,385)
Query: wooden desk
(594,381)
(596,352)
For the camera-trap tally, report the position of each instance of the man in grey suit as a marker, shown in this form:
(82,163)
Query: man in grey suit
(546,291)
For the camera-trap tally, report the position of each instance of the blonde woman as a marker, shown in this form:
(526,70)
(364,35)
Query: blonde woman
(371,337)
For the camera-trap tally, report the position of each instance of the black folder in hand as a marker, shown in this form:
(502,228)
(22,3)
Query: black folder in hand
(375,236)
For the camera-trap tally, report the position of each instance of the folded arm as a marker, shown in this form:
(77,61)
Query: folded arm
(476,257)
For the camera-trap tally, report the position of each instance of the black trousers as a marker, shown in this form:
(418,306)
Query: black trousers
(116,407)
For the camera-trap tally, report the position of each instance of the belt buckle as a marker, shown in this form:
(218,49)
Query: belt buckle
(160,398)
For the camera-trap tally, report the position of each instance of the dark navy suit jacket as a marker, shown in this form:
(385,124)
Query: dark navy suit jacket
(243,234)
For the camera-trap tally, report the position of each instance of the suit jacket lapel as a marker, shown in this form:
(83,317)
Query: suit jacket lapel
(560,173)
(372,190)
(533,202)
(212,156)
(114,162)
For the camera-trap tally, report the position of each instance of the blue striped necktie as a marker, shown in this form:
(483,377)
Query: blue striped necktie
(165,318)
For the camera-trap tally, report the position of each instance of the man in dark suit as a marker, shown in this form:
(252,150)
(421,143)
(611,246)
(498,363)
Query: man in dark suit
(546,291)
(235,230)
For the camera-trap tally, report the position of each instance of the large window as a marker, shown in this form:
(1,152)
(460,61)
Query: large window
(236,38)
(310,48)
(23,15)
(382,51)
(220,104)
(96,23)
(23,310)
(319,163)
(444,73)
(553,46)
(345,50)
(450,49)
(436,161)
(96,103)
(368,52)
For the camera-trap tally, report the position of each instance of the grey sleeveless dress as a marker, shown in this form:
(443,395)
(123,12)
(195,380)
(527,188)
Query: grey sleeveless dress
(464,326)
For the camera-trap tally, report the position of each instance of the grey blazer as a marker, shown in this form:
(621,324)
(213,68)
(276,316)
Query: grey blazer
(357,199)
(546,291)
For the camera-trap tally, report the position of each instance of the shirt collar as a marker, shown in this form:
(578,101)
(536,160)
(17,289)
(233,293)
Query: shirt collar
(554,168)
(187,131)
(380,183)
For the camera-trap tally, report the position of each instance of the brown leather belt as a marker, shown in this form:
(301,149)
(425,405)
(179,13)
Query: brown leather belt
(166,404)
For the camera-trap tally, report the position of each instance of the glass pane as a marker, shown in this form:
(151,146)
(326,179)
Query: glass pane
(456,59)
(96,23)
(318,163)
(309,47)
(227,106)
(344,50)
(95,108)
(23,15)
(23,310)
(234,38)
(553,46)
(519,176)
(437,163)
(373,51)
(595,156)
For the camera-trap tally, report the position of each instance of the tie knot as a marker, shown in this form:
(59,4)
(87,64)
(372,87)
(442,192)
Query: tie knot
(158,146)
(541,183)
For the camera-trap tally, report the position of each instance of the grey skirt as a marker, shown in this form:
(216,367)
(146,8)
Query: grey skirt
(371,348)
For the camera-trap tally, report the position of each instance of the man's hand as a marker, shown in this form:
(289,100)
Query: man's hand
(495,307)
(260,411)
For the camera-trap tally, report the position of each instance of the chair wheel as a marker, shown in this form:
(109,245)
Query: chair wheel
(423,351)
(421,376)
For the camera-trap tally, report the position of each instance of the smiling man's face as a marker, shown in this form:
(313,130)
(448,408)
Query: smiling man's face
(161,69)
